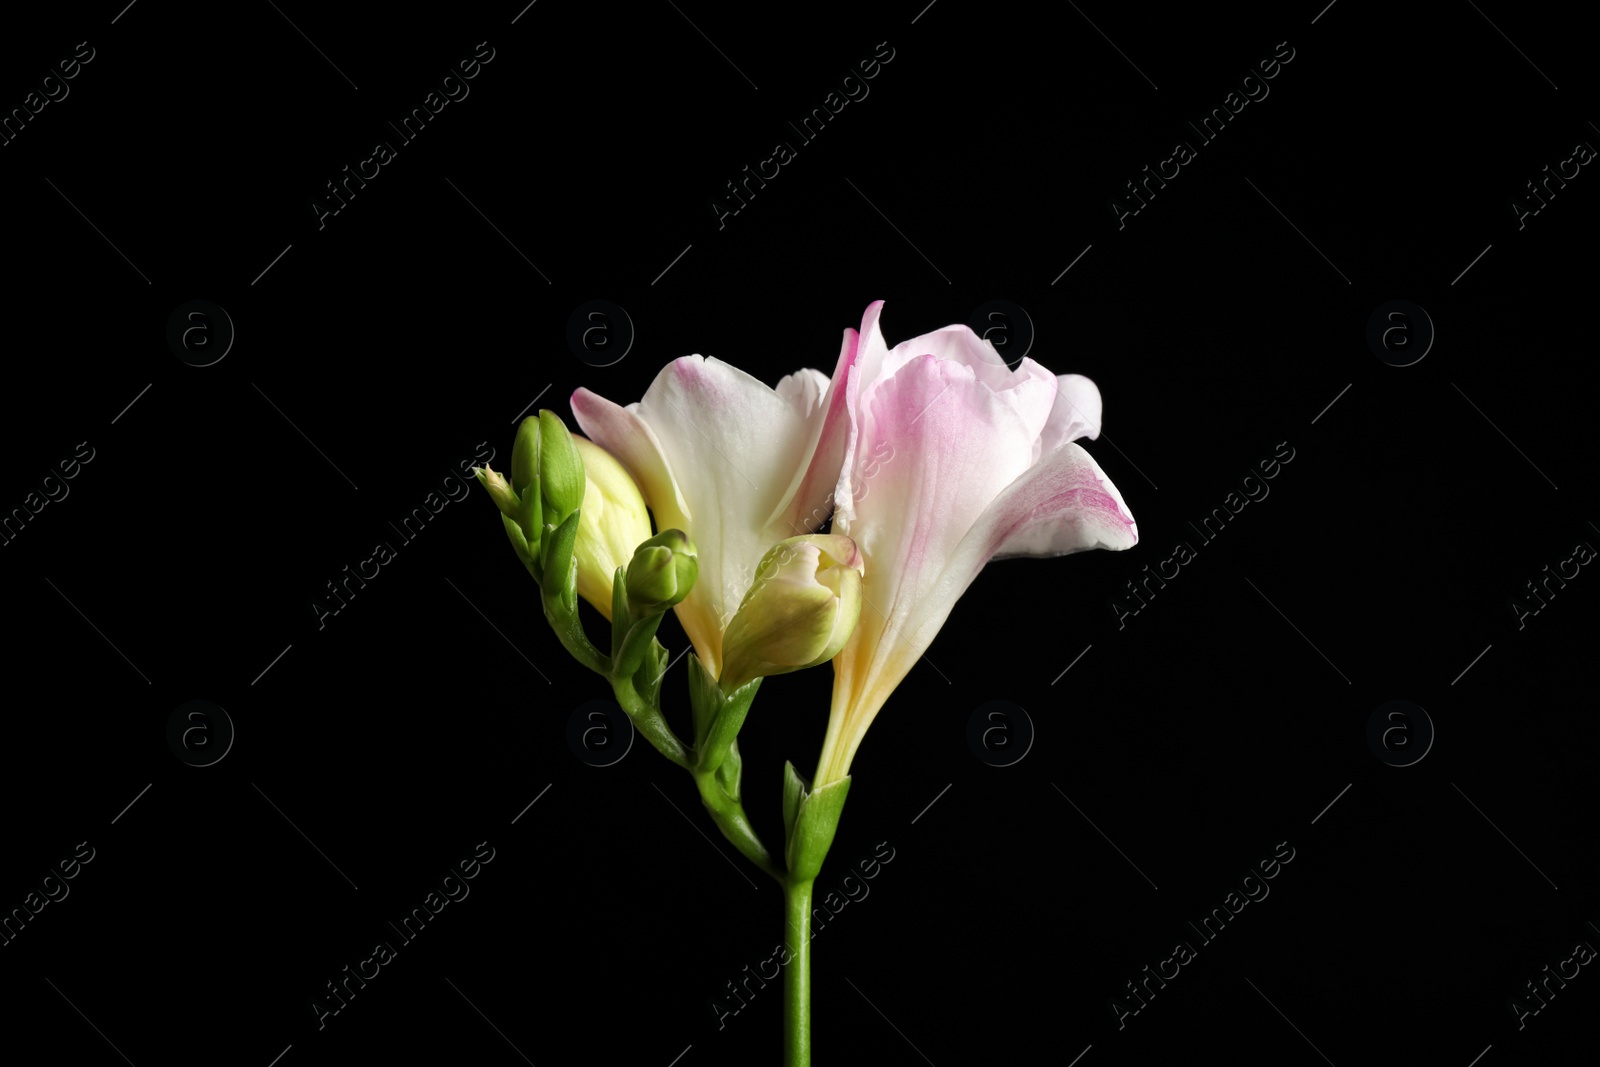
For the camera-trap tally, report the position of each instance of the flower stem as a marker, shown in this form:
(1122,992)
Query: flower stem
(649,721)
(728,813)
(569,631)
(797,975)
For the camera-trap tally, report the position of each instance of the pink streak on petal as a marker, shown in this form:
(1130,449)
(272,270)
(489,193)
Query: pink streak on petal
(811,498)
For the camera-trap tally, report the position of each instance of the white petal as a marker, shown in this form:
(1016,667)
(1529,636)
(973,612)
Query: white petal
(1076,413)
(804,390)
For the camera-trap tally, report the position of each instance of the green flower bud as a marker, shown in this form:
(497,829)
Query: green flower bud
(525,455)
(560,469)
(500,490)
(798,613)
(661,573)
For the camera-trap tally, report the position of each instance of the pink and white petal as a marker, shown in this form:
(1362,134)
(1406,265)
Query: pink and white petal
(935,447)
(627,436)
(1076,413)
(1031,392)
(1064,504)
(809,500)
(961,345)
(871,350)
(804,390)
(866,362)
(729,438)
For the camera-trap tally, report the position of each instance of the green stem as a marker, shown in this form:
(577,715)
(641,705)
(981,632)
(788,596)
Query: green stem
(649,721)
(797,975)
(569,630)
(728,813)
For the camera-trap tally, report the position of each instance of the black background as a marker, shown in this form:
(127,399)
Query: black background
(1177,751)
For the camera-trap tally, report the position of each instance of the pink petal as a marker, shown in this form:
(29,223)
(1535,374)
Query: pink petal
(934,446)
(959,344)
(809,500)
(1064,504)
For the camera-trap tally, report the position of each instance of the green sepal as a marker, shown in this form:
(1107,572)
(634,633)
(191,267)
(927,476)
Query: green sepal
(499,490)
(529,514)
(731,772)
(813,829)
(647,679)
(560,466)
(620,619)
(518,542)
(569,589)
(725,724)
(705,699)
(544,544)
(525,455)
(795,788)
(560,566)
(718,716)
(631,656)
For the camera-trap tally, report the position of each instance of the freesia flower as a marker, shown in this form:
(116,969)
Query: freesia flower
(981,466)
(732,462)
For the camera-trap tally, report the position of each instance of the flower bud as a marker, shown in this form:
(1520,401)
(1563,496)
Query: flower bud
(614,522)
(560,469)
(500,490)
(661,573)
(525,455)
(798,613)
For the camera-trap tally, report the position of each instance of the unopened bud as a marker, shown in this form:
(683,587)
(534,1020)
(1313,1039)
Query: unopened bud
(500,490)
(799,611)
(560,469)
(661,573)
(614,522)
(525,455)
